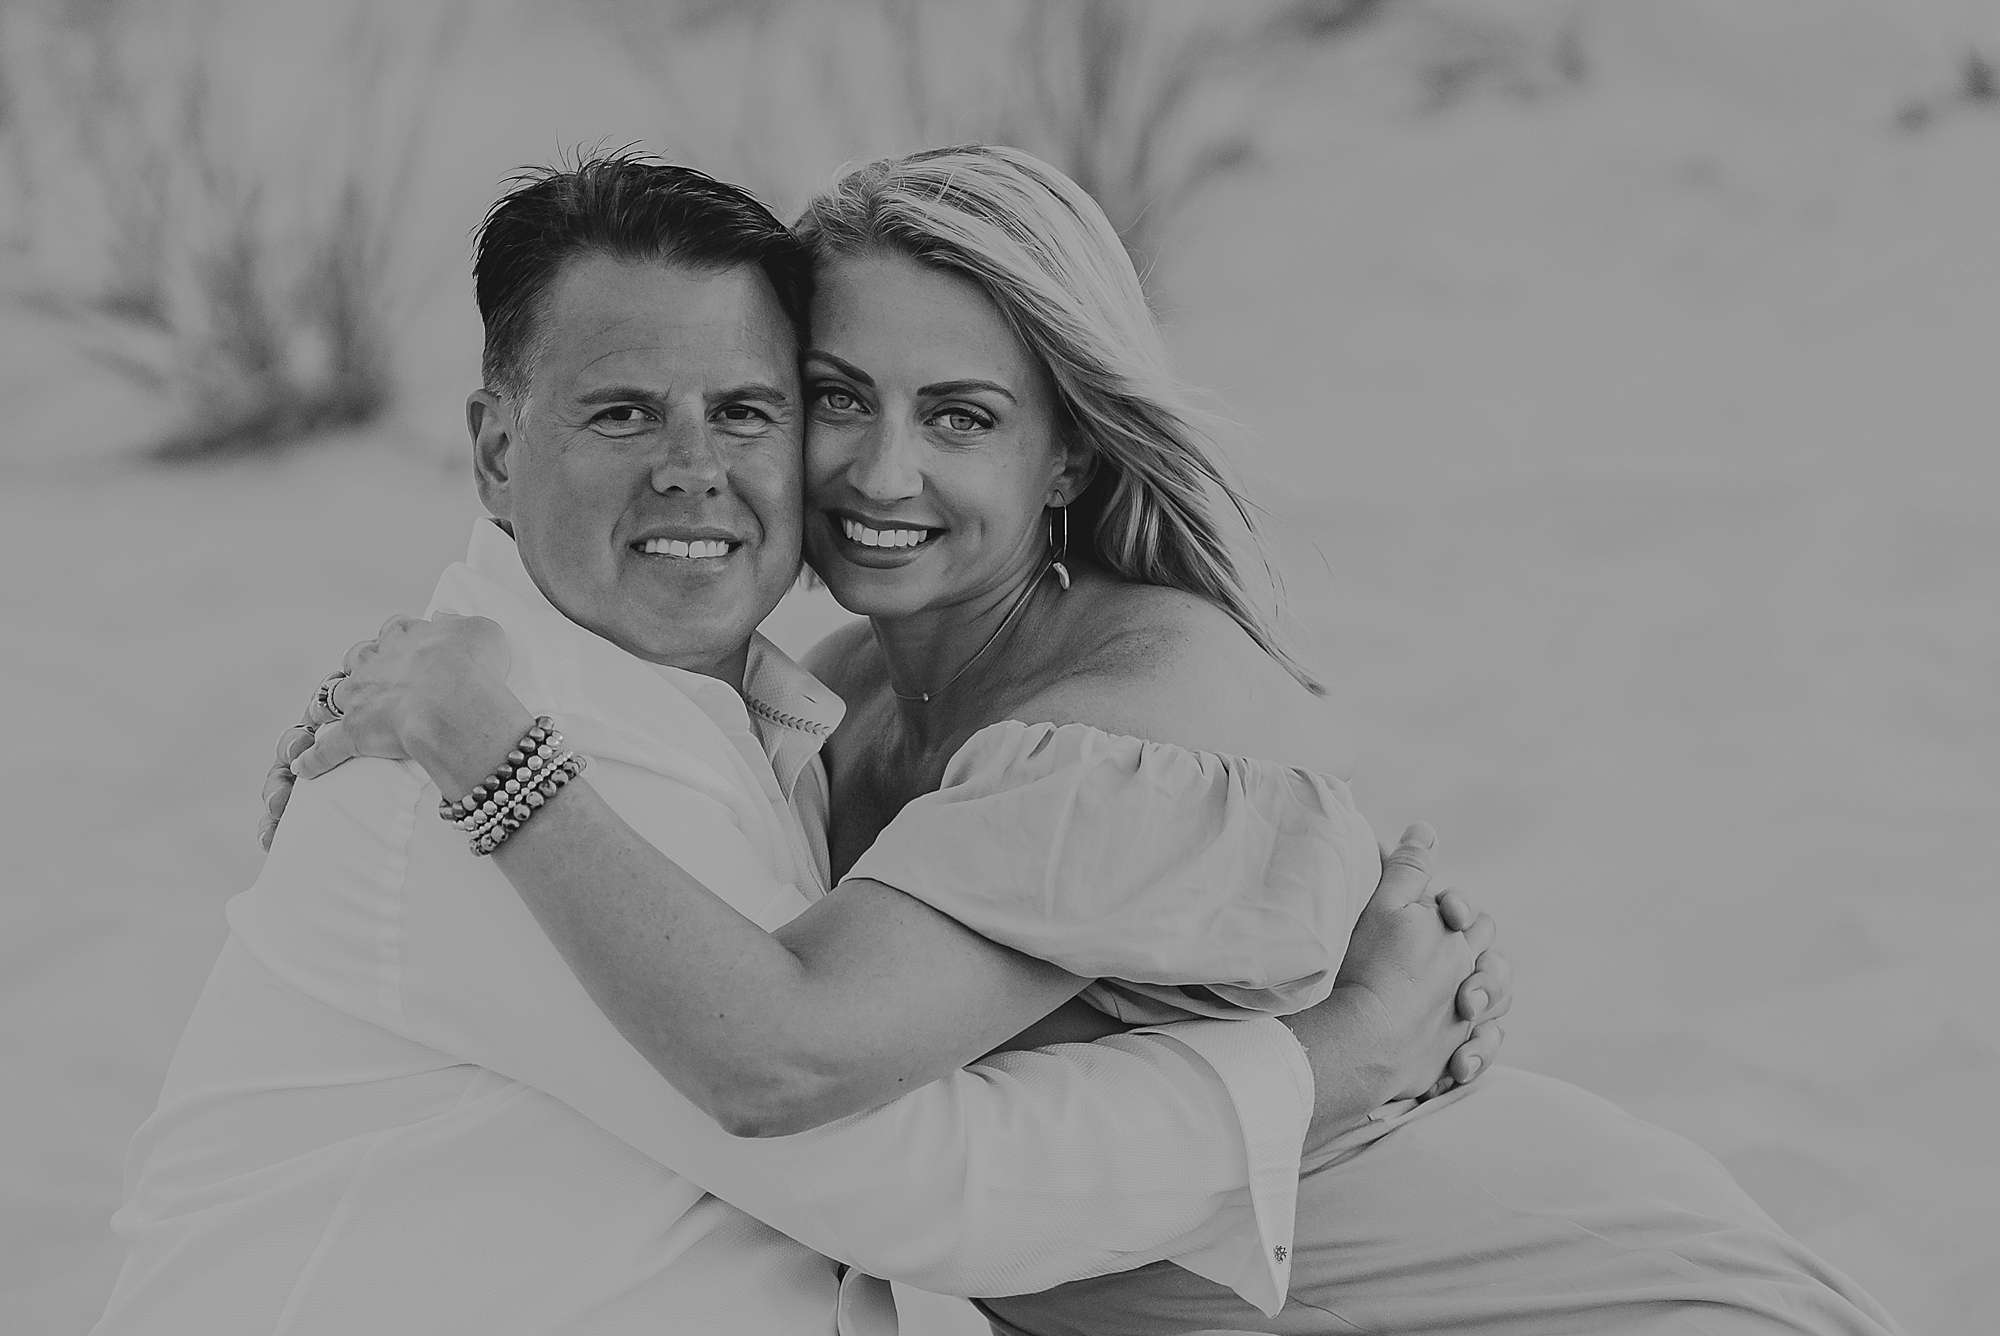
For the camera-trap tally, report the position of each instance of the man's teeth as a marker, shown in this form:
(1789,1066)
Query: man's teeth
(674,547)
(858,532)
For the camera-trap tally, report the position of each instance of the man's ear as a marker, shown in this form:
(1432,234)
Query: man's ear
(490,420)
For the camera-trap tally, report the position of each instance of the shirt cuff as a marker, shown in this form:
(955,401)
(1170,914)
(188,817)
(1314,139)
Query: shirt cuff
(1270,1083)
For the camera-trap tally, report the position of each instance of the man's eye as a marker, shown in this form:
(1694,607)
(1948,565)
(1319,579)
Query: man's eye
(622,420)
(742,418)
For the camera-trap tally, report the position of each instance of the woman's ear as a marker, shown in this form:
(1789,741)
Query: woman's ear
(490,420)
(1079,466)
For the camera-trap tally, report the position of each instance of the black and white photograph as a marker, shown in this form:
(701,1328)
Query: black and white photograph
(1000,667)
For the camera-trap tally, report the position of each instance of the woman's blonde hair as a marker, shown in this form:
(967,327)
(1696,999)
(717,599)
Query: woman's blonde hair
(1044,253)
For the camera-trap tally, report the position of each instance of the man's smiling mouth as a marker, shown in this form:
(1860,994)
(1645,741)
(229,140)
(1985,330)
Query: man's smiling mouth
(857,532)
(696,549)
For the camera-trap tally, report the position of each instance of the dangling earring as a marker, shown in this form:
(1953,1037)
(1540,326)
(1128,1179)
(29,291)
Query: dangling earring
(1060,549)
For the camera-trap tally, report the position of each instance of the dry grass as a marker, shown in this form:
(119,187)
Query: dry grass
(1143,102)
(247,285)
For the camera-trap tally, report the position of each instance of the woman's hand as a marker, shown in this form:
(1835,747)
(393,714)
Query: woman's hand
(431,690)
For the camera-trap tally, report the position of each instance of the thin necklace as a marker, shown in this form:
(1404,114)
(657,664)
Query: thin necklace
(926,697)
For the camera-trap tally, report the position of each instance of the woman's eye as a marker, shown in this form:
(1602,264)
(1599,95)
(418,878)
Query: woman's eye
(836,400)
(962,420)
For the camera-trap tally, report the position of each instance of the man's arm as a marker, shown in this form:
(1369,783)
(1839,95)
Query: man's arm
(1012,1176)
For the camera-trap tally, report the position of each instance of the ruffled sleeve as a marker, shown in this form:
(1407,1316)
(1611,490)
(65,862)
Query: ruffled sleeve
(1187,883)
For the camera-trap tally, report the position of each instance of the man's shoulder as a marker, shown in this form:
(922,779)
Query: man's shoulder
(323,911)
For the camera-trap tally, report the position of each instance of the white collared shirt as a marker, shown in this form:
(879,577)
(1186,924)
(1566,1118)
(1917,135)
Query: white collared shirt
(396,1110)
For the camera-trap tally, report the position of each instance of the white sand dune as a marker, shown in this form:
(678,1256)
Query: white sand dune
(1632,445)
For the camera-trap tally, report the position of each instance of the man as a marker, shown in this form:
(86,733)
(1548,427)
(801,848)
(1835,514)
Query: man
(395,1109)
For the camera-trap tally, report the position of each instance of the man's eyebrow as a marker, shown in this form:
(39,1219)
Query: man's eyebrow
(945,387)
(843,366)
(618,394)
(756,392)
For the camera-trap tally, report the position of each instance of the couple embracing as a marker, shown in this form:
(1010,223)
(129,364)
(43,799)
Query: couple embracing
(1024,944)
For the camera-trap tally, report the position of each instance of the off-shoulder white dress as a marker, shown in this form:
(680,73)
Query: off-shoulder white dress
(1192,884)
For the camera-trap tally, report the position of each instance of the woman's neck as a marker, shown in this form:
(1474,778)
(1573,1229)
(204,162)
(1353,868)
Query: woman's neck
(942,661)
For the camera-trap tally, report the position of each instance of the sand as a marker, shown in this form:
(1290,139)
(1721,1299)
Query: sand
(1631,447)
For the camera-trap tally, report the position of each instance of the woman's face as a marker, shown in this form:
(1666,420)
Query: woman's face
(931,443)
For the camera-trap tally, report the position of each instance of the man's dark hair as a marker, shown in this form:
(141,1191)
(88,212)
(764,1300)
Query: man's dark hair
(628,207)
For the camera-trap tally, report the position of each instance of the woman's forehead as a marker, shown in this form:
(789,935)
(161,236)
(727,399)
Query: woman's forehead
(892,316)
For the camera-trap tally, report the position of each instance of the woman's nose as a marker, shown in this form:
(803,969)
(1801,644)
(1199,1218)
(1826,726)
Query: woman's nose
(886,468)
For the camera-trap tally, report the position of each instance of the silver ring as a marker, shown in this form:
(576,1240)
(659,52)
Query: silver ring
(324,696)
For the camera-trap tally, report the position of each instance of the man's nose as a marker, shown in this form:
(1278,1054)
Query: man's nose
(886,468)
(688,460)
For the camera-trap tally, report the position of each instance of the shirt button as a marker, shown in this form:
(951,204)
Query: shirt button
(1279,1254)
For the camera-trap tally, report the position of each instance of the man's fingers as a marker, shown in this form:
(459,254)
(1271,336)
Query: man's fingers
(267,829)
(1476,1054)
(1477,998)
(1406,872)
(1456,910)
(328,750)
(1480,935)
(1496,977)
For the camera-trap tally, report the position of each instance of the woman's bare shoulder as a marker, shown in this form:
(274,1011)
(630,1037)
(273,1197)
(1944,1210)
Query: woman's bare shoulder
(844,659)
(1172,667)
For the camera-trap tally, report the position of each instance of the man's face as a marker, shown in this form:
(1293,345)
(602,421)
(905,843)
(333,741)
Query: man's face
(651,474)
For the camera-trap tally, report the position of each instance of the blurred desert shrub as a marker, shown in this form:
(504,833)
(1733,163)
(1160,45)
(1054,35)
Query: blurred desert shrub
(206,223)
(1142,102)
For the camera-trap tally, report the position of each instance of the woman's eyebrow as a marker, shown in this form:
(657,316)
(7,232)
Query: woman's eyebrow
(843,366)
(945,387)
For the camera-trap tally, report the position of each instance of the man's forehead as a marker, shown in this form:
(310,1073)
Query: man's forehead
(615,319)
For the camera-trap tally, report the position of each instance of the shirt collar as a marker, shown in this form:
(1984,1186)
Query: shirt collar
(791,711)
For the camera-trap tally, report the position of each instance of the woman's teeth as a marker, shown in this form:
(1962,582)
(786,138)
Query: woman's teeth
(858,532)
(674,547)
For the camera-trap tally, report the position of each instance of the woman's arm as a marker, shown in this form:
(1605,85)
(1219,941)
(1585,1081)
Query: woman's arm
(862,997)
(867,994)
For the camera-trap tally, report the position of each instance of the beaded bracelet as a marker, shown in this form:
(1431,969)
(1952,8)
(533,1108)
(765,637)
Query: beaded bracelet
(490,836)
(532,772)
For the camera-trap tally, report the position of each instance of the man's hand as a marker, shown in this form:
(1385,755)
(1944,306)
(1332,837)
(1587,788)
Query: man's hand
(1416,1005)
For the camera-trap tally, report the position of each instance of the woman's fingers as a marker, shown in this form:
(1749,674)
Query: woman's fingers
(360,652)
(277,789)
(330,747)
(293,741)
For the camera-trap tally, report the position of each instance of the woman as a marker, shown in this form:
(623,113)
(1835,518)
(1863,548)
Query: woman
(1070,729)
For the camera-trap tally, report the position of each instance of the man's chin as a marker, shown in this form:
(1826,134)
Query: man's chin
(696,628)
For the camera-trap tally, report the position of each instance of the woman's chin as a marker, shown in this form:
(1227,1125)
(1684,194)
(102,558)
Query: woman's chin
(872,591)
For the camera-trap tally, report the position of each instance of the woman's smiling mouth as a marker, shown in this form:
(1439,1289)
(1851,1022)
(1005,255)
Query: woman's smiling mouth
(893,538)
